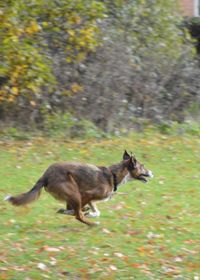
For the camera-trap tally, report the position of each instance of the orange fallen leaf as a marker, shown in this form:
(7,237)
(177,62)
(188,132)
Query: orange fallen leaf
(136,265)
(4,276)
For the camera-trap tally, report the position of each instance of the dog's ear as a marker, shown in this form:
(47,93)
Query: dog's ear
(132,162)
(126,155)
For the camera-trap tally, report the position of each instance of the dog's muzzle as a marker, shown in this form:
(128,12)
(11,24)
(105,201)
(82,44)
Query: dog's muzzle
(143,178)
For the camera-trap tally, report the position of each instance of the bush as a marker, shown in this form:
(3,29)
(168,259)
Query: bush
(109,62)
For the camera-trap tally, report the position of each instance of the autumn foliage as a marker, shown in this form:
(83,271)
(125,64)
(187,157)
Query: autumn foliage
(27,29)
(109,62)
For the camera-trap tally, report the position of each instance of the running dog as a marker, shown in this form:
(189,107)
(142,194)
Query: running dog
(80,184)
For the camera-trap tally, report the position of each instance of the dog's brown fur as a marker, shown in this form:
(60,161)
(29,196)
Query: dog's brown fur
(80,184)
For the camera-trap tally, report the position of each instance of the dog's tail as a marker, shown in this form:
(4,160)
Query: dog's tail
(29,196)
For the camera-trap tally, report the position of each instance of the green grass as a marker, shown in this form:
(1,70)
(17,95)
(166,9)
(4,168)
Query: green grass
(147,231)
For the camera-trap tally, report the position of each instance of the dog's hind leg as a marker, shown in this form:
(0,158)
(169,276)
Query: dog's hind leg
(70,193)
(73,201)
(70,187)
(76,205)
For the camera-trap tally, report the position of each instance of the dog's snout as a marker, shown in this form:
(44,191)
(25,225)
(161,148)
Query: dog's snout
(150,174)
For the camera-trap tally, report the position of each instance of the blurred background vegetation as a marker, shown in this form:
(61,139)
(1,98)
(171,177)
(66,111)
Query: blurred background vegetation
(96,66)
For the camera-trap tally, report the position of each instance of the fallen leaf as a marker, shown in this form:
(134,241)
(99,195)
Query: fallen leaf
(119,255)
(134,232)
(42,266)
(178,259)
(136,265)
(151,235)
(51,249)
(112,267)
(105,230)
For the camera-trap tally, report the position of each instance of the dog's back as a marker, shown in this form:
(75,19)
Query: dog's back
(87,176)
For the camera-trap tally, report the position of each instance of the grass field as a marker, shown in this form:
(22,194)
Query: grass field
(146,231)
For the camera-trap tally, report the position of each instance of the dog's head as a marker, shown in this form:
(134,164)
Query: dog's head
(136,169)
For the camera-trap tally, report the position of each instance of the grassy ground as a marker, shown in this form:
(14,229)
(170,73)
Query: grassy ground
(147,231)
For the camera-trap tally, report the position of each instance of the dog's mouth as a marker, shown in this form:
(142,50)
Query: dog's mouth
(143,178)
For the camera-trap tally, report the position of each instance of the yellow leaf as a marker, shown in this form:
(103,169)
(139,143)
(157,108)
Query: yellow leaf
(77,20)
(45,24)
(15,90)
(82,43)
(75,87)
(33,28)
(71,33)
(68,59)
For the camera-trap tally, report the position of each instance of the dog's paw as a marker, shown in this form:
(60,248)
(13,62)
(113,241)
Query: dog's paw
(66,212)
(61,211)
(93,214)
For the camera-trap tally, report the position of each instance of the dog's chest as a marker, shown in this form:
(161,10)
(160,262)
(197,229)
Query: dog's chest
(126,179)
(109,196)
(105,198)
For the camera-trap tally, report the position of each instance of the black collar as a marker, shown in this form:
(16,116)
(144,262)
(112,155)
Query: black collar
(114,181)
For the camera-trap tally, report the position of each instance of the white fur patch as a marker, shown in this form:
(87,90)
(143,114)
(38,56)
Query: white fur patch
(6,198)
(125,179)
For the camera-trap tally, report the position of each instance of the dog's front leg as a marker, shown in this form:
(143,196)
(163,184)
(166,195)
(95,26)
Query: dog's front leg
(95,211)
